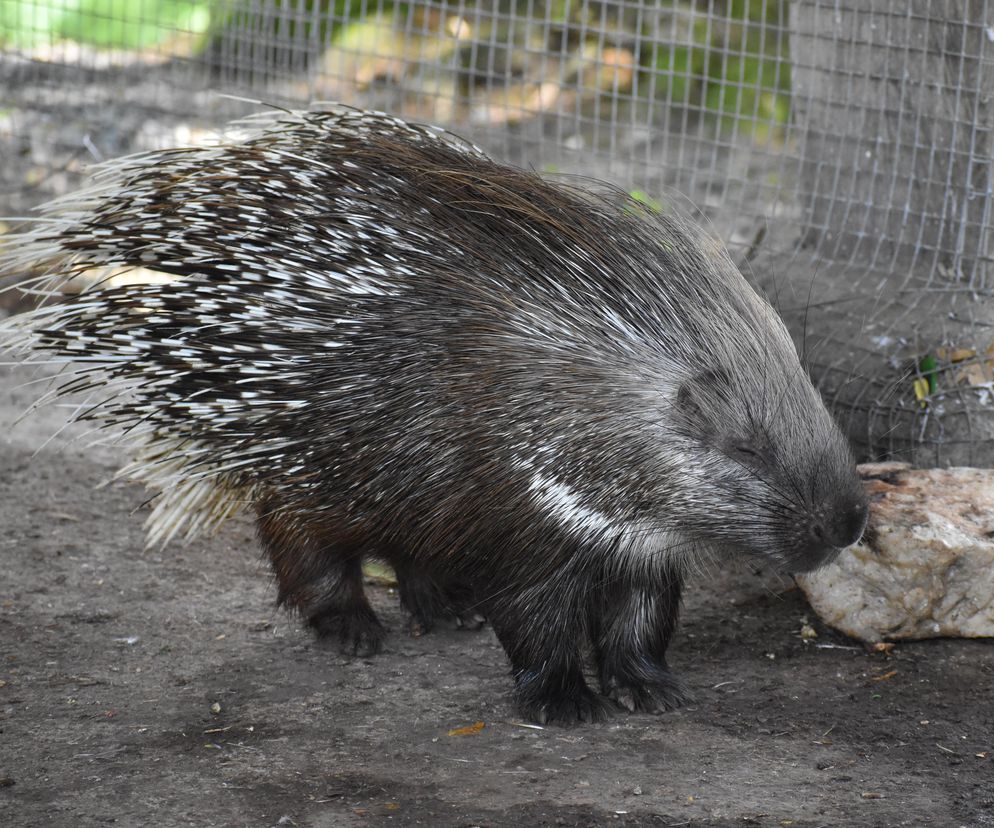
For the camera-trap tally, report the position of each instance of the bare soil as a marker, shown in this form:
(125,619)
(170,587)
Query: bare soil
(147,687)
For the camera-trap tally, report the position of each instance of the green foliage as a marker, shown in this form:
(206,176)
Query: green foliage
(354,18)
(682,63)
(727,60)
(652,204)
(109,24)
(724,60)
(309,21)
(927,368)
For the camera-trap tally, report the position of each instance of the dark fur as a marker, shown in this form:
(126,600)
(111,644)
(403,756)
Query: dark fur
(538,403)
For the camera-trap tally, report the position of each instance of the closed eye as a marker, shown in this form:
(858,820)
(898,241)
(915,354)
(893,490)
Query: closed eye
(749,453)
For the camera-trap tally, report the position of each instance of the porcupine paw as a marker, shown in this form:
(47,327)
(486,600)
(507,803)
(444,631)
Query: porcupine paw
(664,691)
(419,625)
(358,633)
(462,608)
(428,602)
(578,704)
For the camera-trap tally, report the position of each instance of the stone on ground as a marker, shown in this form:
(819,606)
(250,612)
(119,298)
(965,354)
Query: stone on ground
(925,567)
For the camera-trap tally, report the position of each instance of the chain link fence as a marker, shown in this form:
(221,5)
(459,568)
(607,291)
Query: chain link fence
(843,149)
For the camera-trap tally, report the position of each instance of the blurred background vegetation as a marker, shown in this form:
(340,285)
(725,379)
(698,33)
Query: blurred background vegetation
(104,24)
(726,60)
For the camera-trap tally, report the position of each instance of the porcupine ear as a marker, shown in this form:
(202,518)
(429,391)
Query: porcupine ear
(695,394)
(696,400)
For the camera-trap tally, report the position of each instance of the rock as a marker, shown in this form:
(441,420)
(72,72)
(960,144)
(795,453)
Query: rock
(925,567)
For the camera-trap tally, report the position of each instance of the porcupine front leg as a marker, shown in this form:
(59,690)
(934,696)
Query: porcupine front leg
(320,576)
(541,629)
(631,624)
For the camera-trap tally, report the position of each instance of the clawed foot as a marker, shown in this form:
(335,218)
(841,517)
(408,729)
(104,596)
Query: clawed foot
(429,603)
(664,693)
(357,634)
(579,704)
(419,625)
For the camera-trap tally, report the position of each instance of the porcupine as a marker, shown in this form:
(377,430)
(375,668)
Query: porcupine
(535,400)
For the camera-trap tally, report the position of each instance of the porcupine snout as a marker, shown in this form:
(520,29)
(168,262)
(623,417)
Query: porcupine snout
(837,520)
(836,524)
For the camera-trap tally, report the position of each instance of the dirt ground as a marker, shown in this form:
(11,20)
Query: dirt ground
(162,688)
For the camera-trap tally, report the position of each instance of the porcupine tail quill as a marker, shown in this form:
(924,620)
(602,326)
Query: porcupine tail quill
(168,367)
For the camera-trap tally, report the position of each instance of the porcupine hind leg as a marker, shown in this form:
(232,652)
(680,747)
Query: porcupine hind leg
(541,629)
(429,600)
(631,623)
(320,576)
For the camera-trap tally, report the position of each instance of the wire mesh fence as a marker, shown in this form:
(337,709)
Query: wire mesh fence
(843,149)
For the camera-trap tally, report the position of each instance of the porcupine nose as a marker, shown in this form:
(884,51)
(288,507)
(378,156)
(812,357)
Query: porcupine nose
(838,525)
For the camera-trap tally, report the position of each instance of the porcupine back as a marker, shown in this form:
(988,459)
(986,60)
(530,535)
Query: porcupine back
(352,290)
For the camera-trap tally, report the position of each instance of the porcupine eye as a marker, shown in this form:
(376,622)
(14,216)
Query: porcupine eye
(754,452)
(703,405)
(744,451)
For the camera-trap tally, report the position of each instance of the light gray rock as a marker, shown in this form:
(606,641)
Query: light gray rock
(925,567)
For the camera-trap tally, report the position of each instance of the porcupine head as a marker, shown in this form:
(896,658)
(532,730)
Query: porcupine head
(534,400)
